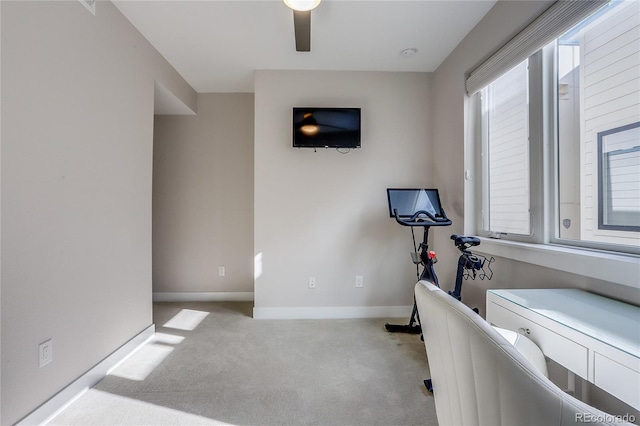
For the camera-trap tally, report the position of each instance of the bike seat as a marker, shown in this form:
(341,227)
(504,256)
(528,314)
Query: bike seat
(461,240)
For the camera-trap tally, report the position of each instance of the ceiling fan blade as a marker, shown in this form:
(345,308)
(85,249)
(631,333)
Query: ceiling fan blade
(302,29)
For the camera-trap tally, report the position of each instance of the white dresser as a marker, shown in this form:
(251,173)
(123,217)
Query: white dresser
(592,336)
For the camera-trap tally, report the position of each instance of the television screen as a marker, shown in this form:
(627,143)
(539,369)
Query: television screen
(410,201)
(326,127)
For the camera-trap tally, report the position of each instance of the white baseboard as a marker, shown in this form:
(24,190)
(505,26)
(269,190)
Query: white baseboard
(232,296)
(337,312)
(52,407)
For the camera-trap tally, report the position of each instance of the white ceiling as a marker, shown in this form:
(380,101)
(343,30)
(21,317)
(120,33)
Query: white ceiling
(216,45)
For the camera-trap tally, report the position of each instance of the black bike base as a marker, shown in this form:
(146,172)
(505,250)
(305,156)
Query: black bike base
(429,385)
(410,329)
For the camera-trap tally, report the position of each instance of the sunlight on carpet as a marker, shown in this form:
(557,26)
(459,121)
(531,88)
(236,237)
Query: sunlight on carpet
(141,363)
(186,319)
(128,411)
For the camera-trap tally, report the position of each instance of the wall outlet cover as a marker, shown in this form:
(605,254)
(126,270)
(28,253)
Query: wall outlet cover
(45,353)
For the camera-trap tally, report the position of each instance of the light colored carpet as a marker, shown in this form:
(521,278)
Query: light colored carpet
(211,363)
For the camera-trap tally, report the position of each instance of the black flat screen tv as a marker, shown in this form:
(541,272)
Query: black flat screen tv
(326,127)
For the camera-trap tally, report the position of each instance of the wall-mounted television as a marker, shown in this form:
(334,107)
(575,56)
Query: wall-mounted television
(315,127)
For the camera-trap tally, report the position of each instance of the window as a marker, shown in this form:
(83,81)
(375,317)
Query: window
(560,136)
(505,116)
(619,182)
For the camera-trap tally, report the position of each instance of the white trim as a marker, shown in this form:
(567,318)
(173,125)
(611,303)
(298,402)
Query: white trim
(612,267)
(232,296)
(52,407)
(332,312)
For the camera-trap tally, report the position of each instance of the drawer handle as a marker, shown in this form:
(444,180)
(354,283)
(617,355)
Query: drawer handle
(524,331)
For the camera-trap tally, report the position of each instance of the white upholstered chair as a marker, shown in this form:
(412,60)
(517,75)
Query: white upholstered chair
(479,378)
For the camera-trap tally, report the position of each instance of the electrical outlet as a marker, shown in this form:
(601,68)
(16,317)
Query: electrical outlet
(312,282)
(45,353)
(359,281)
(221,271)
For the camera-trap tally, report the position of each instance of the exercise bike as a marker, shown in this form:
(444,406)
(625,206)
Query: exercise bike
(422,208)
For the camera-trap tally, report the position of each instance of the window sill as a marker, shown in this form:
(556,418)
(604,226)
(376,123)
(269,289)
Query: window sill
(612,267)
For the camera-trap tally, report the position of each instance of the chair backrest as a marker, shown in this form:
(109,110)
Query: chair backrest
(479,378)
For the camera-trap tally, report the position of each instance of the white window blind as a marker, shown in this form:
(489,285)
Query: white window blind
(553,22)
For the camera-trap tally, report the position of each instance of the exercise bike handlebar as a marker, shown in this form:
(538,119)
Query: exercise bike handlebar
(417,219)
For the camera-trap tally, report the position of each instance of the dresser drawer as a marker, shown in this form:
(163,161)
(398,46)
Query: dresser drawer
(620,380)
(562,350)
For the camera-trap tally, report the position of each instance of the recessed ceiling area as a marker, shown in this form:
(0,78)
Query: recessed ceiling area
(216,45)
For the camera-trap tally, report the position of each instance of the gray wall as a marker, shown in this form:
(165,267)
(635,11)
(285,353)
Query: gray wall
(324,214)
(203,197)
(77,124)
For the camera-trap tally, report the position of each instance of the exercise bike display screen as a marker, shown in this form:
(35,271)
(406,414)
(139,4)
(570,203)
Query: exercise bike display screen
(410,201)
